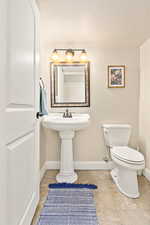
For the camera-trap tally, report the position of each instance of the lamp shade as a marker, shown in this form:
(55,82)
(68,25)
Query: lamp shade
(83,56)
(55,55)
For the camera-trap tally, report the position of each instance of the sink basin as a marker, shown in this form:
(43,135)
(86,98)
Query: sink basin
(56,121)
(66,128)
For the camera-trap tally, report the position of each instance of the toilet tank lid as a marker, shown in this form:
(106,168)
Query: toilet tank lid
(116,126)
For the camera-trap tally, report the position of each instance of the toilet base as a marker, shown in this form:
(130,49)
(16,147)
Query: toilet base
(126,181)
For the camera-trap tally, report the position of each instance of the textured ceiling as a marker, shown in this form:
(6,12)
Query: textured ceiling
(95,22)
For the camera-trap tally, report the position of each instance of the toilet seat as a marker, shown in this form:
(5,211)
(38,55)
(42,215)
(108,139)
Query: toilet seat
(127,155)
(129,162)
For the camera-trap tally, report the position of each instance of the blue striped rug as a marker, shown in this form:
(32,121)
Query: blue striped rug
(69,207)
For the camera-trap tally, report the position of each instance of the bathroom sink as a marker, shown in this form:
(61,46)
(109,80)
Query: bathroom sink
(56,121)
(66,128)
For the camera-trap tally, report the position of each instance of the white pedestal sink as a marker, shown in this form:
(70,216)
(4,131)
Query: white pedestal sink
(66,128)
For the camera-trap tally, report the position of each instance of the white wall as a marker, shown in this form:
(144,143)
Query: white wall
(107,105)
(144,130)
(43,144)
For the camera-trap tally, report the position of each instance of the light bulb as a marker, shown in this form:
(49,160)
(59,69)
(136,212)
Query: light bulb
(69,54)
(69,57)
(83,56)
(55,55)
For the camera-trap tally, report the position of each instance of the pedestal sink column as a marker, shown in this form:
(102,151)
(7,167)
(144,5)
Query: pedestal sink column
(66,174)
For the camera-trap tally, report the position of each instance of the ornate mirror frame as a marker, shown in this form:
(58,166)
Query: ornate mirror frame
(54,104)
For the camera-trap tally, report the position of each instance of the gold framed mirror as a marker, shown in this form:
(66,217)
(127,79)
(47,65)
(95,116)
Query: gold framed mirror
(70,84)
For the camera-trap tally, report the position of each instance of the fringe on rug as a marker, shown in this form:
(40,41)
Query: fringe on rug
(69,185)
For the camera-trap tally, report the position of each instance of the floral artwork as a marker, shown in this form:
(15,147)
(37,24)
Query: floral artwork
(116,76)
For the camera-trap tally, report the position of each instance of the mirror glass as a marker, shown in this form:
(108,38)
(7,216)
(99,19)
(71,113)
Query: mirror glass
(70,84)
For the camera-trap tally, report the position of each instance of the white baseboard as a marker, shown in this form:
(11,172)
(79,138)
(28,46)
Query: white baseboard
(52,165)
(79,165)
(42,171)
(83,165)
(93,165)
(86,165)
(146,173)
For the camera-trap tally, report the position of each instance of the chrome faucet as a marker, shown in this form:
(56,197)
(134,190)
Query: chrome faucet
(67,114)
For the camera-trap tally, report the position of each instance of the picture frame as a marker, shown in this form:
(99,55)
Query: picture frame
(116,76)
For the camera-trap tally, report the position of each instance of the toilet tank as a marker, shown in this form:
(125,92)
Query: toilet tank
(116,134)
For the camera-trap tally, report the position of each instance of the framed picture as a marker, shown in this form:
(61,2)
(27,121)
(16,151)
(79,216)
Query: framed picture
(116,76)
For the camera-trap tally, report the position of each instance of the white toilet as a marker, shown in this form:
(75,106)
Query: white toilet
(127,160)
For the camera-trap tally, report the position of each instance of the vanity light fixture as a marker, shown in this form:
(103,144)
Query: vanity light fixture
(55,55)
(69,54)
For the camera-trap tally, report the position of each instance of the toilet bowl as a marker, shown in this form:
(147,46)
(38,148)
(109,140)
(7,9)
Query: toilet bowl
(127,160)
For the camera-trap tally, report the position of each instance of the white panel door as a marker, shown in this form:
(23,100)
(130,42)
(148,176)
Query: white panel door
(21,104)
(3,25)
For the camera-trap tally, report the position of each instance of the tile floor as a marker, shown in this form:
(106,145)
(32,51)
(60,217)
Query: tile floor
(113,208)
